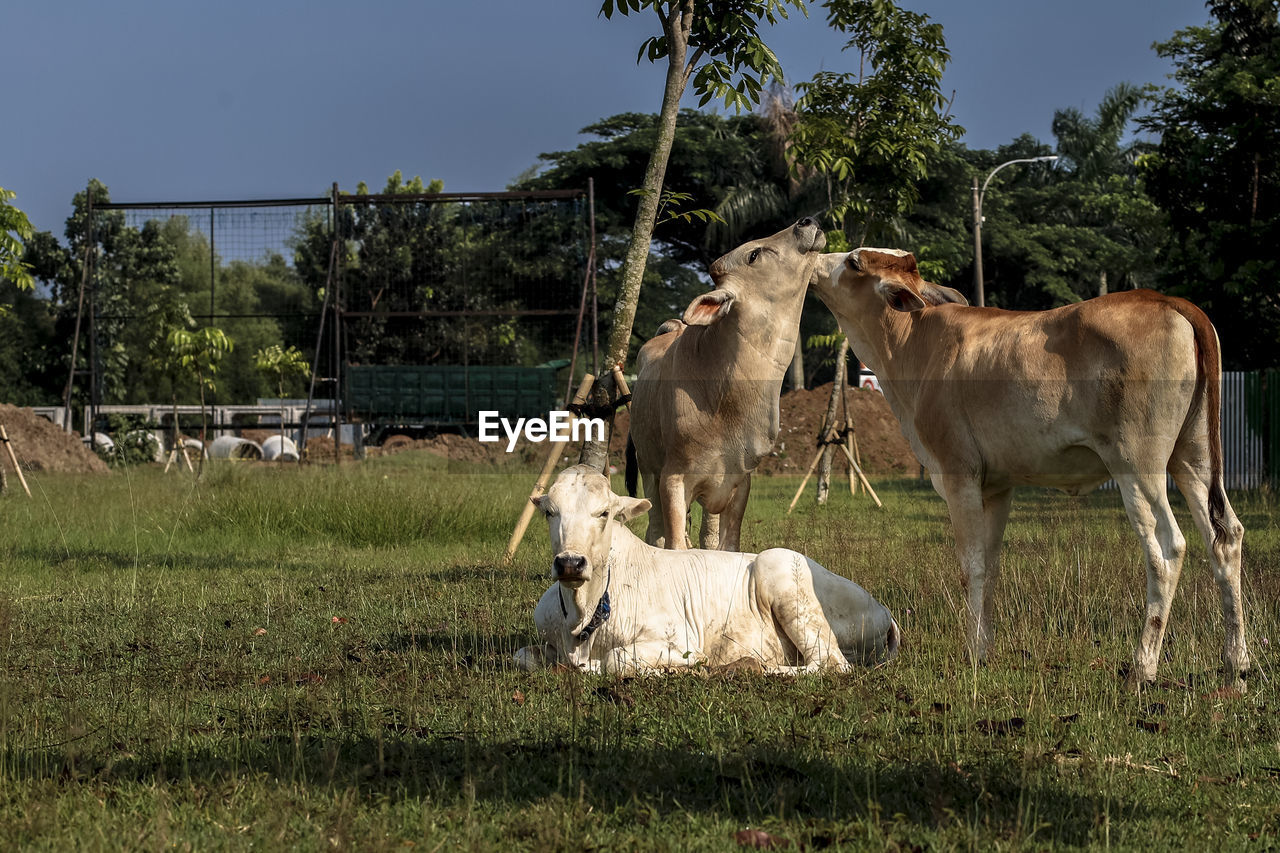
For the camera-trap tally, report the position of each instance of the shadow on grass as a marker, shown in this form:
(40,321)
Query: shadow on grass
(469,650)
(997,794)
(56,555)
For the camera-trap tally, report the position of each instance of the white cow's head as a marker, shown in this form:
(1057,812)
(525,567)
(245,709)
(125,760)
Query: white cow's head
(760,274)
(581,509)
(862,283)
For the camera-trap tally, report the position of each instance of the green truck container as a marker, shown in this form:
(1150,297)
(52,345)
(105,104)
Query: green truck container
(450,395)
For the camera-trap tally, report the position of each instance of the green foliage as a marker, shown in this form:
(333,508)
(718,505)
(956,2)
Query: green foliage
(15,229)
(872,134)
(1092,148)
(1215,173)
(281,364)
(195,353)
(729,60)
(669,208)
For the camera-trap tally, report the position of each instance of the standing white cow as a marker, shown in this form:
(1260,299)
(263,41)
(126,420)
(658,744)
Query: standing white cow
(1123,387)
(705,402)
(619,605)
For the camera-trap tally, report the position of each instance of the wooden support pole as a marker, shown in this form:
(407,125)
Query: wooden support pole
(8,445)
(862,477)
(807,474)
(553,456)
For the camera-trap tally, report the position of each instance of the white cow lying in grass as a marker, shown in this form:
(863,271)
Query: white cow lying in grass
(621,606)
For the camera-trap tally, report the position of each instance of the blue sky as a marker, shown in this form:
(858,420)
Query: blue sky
(168,100)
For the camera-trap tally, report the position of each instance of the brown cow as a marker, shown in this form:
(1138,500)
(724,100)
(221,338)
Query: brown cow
(1123,387)
(705,401)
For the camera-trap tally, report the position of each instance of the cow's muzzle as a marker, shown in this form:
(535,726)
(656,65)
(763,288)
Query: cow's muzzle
(810,235)
(570,570)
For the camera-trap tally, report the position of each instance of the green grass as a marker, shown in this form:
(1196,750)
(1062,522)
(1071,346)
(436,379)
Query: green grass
(173,676)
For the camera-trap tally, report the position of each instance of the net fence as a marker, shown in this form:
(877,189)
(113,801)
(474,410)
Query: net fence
(488,279)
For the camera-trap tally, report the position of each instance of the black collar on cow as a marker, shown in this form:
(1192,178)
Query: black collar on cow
(601,614)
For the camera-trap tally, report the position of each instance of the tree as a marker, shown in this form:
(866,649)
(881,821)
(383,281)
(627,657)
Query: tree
(194,354)
(712,158)
(15,229)
(1215,173)
(1091,148)
(280,364)
(871,134)
(717,47)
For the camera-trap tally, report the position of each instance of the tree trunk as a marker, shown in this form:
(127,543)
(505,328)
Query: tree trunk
(795,374)
(676,26)
(1102,283)
(204,424)
(829,423)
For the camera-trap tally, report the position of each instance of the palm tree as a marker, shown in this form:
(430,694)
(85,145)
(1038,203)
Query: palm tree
(1093,147)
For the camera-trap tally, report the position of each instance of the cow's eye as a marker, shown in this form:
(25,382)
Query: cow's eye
(602,514)
(754,256)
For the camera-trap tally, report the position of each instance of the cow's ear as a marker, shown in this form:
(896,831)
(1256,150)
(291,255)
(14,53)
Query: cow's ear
(937,294)
(898,296)
(624,509)
(826,265)
(708,308)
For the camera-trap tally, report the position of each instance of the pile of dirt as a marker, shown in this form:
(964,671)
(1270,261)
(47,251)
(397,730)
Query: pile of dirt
(882,449)
(881,446)
(41,446)
(462,448)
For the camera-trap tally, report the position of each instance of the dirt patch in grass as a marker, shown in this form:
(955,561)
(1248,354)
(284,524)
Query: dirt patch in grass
(41,446)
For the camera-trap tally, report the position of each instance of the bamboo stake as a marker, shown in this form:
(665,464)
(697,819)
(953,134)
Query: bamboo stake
(805,481)
(853,479)
(8,445)
(553,456)
(620,383)
(862,477)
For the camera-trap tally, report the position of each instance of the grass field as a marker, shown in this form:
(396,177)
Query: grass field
(319,659)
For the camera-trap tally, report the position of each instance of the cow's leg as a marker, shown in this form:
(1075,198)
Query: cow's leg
(655,534)
(995,516)
(646,659)
(969,526)
(531,658)
(1146,500)
(709,536)
(674,510)
(1223,542)
(731,518)
(785,579)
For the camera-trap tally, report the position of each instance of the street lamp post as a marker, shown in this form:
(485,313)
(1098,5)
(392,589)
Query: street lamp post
(979,285)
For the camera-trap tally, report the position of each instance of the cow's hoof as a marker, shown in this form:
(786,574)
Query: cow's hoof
(1136,680)
(1238,682)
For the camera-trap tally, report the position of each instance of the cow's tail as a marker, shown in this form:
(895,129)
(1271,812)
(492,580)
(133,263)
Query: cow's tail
(633,467)
(1209,391)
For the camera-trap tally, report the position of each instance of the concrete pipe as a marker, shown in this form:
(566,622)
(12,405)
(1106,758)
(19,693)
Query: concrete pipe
(279,449)
(231,447)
